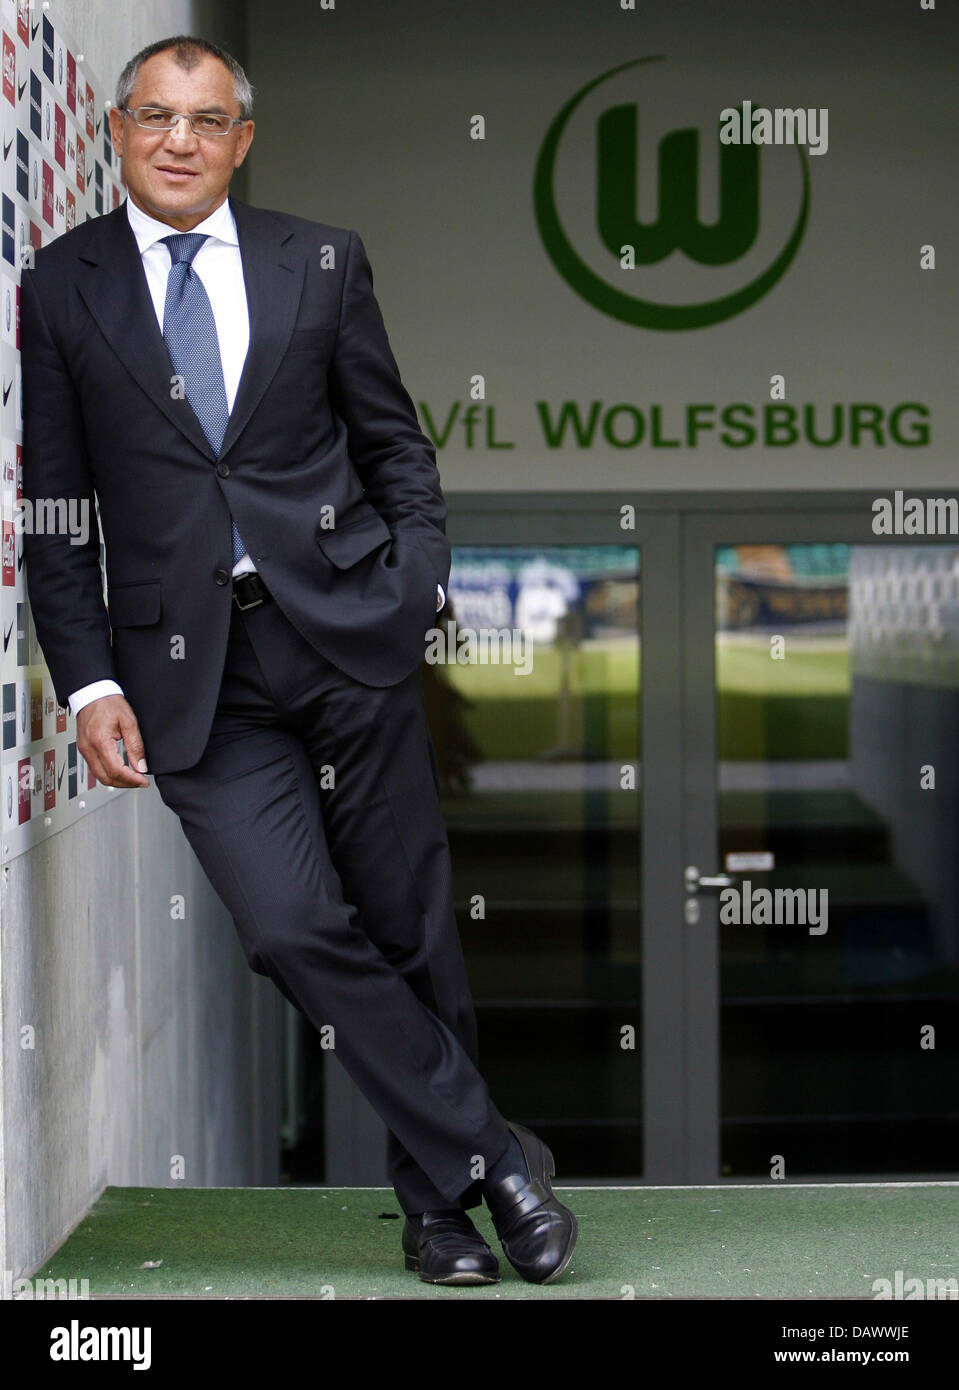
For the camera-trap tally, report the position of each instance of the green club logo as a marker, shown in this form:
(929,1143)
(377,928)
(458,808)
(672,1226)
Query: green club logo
(678,226)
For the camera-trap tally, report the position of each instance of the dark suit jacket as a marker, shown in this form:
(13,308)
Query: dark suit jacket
(320,417)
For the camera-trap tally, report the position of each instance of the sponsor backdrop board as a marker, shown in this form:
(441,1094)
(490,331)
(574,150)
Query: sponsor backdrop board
(58,170)
(497,159)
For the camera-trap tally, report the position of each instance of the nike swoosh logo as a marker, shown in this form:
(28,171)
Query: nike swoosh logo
(20,559)
(21,88)
(99,123)
(6,636)
(6,392)
(33,33)
(7,149)
(63,768)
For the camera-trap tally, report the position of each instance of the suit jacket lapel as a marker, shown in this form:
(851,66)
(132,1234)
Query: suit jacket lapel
(114,288)
(273,273)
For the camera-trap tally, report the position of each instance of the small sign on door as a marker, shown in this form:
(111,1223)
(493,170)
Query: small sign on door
(753,861)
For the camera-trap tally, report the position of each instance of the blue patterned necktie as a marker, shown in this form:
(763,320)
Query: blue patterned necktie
(189,331)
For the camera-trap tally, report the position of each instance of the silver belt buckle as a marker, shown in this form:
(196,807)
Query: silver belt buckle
(244,606)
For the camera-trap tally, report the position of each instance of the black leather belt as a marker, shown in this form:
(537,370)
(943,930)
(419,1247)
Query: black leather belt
(249,590)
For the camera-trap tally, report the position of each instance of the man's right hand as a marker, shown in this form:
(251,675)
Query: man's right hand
(99,725)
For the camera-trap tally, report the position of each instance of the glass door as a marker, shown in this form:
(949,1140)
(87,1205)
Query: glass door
(821,706)
(561,799)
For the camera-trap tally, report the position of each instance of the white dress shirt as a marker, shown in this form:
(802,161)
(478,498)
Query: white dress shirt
(220,267)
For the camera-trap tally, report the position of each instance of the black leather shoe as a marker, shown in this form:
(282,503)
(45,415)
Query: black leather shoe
(536,1231)
(446,1248)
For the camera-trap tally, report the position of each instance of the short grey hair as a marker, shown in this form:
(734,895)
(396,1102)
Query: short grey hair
(187,53)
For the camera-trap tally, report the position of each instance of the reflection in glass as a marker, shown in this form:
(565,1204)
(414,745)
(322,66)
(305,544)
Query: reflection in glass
(533,707)
(837,686)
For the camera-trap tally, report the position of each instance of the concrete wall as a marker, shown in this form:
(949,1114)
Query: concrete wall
(904,718)
(127,1036)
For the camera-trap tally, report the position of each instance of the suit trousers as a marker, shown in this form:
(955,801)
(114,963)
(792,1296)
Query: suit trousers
(314,812)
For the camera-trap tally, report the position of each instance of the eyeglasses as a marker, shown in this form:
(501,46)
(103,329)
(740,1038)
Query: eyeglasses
(201,122)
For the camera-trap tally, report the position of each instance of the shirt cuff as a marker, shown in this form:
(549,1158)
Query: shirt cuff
(440,597)
(88,693)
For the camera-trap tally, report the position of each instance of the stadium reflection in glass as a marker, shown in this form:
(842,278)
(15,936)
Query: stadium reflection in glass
(837,675)
(532,695)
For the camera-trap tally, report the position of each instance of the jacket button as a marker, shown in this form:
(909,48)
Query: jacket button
(223,469)
(222,576)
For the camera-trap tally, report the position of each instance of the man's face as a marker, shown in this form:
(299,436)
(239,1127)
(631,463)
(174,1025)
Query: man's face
(174,175)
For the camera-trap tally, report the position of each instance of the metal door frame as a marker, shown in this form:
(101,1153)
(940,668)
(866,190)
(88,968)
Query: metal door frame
(825,518)
(594,519)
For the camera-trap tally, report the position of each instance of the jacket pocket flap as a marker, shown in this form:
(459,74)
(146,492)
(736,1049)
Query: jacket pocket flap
(346,544)
(134,605)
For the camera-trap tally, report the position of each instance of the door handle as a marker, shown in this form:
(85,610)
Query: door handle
(694,881)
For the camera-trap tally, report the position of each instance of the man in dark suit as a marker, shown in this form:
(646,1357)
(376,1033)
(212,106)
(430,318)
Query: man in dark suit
(220,377)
